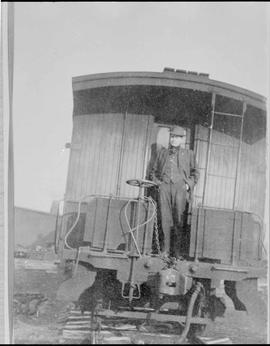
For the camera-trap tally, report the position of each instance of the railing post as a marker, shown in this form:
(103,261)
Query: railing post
(105,245)
(210,134)
(239,154)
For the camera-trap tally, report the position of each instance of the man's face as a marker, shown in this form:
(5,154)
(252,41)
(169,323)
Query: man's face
(177,141)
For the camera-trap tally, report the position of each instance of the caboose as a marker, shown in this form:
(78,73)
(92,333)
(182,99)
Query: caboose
(108,237)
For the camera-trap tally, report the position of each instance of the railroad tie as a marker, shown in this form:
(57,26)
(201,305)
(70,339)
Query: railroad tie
(213,341)
(77,327)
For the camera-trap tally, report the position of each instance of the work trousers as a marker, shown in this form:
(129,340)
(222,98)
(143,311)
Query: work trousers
(172,202)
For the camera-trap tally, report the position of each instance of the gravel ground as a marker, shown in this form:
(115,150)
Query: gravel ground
(239,327)
(43,329)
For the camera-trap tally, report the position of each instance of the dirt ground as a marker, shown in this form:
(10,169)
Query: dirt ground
(44,328)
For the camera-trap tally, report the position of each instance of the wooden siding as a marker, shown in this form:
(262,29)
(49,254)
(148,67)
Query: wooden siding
(252,178)
(107,216)
(136,152)
(219,191)
(232,237)
(107,150)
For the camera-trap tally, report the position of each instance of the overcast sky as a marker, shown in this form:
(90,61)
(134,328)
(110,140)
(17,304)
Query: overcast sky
(56,41)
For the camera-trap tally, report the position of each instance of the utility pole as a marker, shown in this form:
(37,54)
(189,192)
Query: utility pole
(6,174)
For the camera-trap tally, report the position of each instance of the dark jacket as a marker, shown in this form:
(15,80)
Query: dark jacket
(185,161)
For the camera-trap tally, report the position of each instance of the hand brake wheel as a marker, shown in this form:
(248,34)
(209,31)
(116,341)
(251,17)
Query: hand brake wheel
(141,182)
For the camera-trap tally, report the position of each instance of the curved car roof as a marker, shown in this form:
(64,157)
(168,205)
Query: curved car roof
(194,81)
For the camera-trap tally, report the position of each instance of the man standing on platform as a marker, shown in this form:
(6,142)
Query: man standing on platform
(175,172)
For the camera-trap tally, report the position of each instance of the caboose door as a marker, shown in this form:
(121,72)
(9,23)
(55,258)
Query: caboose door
(107,150)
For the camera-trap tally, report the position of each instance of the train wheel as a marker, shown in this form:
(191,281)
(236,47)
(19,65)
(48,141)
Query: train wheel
(200,310)
(197,330)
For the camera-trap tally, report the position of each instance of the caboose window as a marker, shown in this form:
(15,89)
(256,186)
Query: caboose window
(162,135)
(227,126)
(228,105)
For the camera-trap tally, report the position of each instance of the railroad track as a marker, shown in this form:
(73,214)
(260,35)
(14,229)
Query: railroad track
(83,328)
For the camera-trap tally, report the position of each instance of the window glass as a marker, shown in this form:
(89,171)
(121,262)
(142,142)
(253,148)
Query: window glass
(228,105)
(163,136)
(226,130)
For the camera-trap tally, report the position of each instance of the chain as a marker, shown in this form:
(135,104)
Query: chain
(156,228)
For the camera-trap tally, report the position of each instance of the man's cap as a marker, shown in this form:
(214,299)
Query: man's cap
(178,131)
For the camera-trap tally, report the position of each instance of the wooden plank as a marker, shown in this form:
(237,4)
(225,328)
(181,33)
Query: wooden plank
(213,341)
(200,233)
(212,234)
(193,233)
(237,228)
(218,237)
(250,239)
(138,128)
(252,182)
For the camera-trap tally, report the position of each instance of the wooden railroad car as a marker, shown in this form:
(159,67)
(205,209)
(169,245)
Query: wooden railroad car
(109,234)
